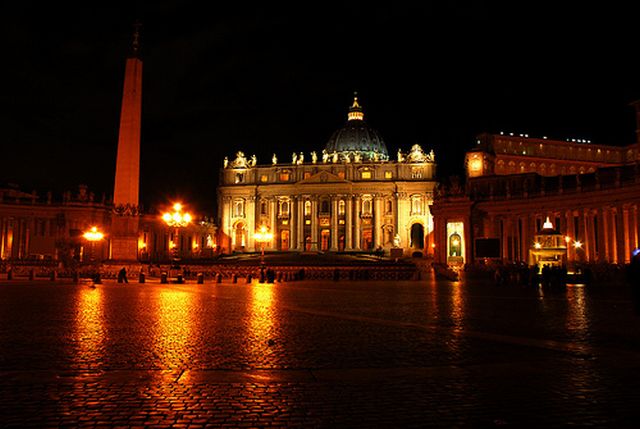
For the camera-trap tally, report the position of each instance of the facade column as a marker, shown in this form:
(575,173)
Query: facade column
(300,225)
(348,224)
(334,223)
(357,245)
(293,226)
(273,208)
(314,223)
(377,222)
(250,216)
(524,239)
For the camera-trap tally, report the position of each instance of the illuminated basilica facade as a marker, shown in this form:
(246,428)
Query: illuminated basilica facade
(351,196)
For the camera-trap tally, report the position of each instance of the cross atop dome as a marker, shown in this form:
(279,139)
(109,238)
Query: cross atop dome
(355,111)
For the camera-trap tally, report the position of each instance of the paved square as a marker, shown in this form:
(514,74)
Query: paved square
(317,354)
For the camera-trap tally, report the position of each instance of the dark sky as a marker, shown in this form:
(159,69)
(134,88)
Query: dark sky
(279,79)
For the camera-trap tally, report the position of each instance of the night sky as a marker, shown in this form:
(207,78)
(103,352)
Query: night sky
(275,79)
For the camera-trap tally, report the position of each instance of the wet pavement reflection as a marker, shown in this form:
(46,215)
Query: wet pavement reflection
(311,354)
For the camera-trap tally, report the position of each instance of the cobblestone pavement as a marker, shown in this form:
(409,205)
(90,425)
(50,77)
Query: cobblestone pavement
(317,354)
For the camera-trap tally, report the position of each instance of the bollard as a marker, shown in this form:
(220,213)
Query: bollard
(235,278)
(53,275)
(219,278)
(261,278)
(97,279)
(76,277)
(32,274)
(200,278)
(9,274)
(163,278)
(249,278)
(279,277)
(141,278)
(180,280)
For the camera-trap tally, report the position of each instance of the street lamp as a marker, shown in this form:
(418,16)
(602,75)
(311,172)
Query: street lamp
(176,219)
(92,236)
(262,236)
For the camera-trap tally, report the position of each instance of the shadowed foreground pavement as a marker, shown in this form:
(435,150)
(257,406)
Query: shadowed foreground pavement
(317,354)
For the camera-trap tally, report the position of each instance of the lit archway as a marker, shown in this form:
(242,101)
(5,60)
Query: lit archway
(417,236)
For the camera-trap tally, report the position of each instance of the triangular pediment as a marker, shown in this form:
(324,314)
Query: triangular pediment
(323,177)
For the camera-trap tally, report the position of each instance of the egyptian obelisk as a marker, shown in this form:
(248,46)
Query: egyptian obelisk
(124,221)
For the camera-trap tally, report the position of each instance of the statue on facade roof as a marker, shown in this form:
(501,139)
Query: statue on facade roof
(357,157)
(314,157)
(325,156)
(240,161)
(335,157)
(417,154)
(347,158)
(253,161)
(400,156)
(274,159)
(301,158)
(376,156)
(294,158)
(225,162)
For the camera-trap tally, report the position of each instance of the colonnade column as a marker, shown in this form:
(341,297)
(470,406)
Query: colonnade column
(334,223)
(586,236)
(349,228)
(358,207)
(314,223)
(601,241)
(622,243)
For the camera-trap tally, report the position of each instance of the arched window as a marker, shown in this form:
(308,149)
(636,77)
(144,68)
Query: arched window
(341,205)
(263,208)
(389,207)
(284,208)
(324,206)
(307,208)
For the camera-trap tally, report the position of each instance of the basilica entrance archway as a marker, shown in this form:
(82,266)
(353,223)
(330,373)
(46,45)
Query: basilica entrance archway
(239,236)
(325,235)
(417,236)
(284,240)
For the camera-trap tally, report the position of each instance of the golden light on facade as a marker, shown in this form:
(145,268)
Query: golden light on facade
(567,239)
(577,244)
(537,245)
(93,234)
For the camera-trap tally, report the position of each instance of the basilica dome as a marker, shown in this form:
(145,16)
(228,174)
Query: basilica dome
(356,140)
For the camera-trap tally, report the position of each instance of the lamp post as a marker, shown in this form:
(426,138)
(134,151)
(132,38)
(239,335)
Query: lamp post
(262,236)
(92,236)
(176,219)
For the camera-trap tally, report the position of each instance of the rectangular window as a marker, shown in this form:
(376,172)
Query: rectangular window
(239,177)
(264,178)
(388,175)
(341,174)
(365,175)
(307,174)
(284,177)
